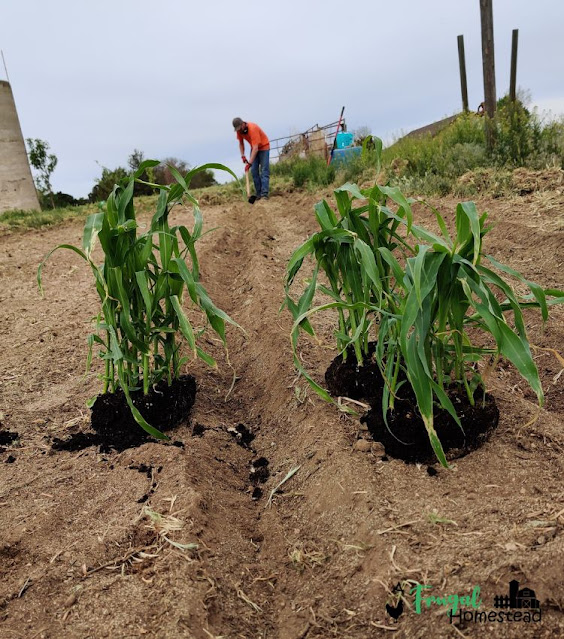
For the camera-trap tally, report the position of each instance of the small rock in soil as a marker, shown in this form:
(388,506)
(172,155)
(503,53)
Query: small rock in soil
(363,446)
(378,449)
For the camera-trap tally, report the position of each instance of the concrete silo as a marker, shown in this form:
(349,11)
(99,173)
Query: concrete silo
(17,190)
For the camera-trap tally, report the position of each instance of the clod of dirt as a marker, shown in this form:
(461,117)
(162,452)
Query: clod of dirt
(348,379)
(7,437)
(406,438)
(259,472)
(143,468)
(198,430)
(78,441)
(242,434)
(164,408)
(362,445)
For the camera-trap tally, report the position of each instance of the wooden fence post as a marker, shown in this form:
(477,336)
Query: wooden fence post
(463,83)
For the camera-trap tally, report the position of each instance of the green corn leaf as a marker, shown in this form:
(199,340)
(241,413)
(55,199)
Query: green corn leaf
(137,415)
(368,262)
(208,359)
(350,188)
(188,278)
(124,202)
(91,229)
(70,247)
(536,290)
(162,210)
(518,353)
(146,164)
(185,326)
(142,282)
(325,215)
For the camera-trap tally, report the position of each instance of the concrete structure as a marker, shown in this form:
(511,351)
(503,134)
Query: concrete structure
(17,190)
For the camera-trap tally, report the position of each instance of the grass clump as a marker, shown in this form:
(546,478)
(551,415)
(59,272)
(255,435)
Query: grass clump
(141,285)
(20,219)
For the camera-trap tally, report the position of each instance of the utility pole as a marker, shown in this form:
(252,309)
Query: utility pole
(463,83)
(488,63)
(513,79)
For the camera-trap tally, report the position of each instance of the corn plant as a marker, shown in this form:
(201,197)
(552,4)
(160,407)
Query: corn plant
(422,295)
(445,296)
(140,284)
(359,280)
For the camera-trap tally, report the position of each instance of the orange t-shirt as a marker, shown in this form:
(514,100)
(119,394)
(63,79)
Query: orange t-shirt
(255,136)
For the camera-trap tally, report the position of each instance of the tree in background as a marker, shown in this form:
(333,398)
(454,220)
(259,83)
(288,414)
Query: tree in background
(44,164)
(106,182)
(160,174)
(361,134)
(163,175)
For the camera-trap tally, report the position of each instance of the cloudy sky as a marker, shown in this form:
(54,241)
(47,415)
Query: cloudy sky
(100,79)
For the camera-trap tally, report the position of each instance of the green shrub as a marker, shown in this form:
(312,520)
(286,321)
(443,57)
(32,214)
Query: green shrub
(432,164)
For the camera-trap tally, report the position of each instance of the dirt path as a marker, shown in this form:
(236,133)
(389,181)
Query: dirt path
(81,557)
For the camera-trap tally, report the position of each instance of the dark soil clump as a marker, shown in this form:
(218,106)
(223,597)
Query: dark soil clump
(259,471)
(348,379)
(164,407)
(78,441)
(7,437)
(242,434)
(408,439)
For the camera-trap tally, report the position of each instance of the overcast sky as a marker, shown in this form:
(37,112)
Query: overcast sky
(97,80)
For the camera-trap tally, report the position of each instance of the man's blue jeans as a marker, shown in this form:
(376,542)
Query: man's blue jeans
(261,173)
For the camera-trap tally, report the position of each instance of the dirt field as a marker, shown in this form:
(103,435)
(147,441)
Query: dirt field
(81,556)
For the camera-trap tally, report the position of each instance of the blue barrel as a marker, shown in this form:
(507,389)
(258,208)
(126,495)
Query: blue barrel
(341,157)
(344,140)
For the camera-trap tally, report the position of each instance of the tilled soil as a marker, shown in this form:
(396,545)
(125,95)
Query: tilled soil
(89,541)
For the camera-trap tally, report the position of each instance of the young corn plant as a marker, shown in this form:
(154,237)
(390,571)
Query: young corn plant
(423,296)
(445,296)
(141,285)
(359,281)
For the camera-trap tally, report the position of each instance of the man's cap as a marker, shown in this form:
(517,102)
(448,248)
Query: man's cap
(237,123)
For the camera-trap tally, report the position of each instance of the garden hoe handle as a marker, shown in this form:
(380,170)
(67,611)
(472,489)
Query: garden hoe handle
(251,198)
(335,140)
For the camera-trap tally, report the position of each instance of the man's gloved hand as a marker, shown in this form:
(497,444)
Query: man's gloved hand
(244,159)
(247,167)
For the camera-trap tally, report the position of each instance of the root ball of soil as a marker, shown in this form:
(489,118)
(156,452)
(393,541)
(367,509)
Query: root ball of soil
(407,439)
(345,378)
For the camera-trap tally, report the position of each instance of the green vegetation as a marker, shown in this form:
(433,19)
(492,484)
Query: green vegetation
(426,299)
(44,165)
(160,174)
(141,284)
(310,171)
(436,164)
